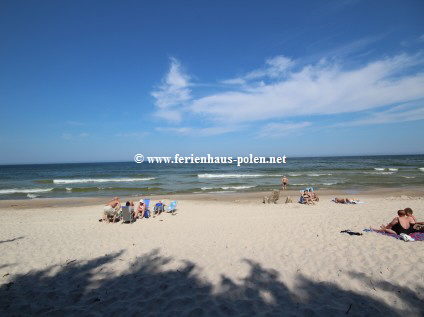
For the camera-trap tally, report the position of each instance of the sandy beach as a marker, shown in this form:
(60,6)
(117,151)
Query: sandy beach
(218,256)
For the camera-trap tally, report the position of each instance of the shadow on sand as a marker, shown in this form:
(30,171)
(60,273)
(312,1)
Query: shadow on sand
(11,240)
(146,289)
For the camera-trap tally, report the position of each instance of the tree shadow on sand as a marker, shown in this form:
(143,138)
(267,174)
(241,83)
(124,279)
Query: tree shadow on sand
(11,240)
(147,289)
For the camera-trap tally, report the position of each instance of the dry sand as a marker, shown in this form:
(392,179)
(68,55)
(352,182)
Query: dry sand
(231,256)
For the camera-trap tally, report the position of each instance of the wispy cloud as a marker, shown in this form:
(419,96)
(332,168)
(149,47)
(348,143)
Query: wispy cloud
(275,130)
(73,136)
(173,93)
(275,67)
(284,91)
(319,89)
(401,113)
(208,131)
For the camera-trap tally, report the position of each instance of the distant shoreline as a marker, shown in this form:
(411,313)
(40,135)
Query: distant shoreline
(225,197)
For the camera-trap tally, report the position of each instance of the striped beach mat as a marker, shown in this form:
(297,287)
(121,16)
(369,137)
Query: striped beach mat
(418,236)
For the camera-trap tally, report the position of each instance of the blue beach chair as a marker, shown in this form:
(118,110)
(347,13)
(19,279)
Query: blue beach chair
(172,206)
(147,211)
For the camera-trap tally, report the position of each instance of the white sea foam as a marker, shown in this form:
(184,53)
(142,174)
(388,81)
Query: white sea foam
(224,191)
(99,180)
(393,169)
(421,169)
(24,191)
(227,187)
(229,175)
(294,175)
(32,196)
(379,173)
(313,184)
(236,187)
(408,176)
(315,175)
(379,169)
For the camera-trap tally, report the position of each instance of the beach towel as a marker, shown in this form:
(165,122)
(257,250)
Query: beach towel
(418,236)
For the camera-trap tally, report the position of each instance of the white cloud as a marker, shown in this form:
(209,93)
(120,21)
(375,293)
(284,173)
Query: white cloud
(70,136)
(177,130)
(276,67)
(401,113)
(208,131)
(319,89)
(173,93)
(281,129)
(279,92)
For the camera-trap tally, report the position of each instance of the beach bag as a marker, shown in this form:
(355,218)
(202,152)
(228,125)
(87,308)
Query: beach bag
(147,213)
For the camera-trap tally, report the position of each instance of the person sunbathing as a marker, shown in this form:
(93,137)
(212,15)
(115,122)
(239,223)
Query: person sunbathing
(140,209)
(313,195)
(306,198)
(159,208)
(400,224)
(418,226)
(111,209)
(342,200)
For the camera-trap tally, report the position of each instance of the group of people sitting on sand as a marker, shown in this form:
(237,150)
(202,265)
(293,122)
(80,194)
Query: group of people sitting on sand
(309,196)
(404,223)
(112,210)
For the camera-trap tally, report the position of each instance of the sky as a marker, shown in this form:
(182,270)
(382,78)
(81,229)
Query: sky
(101,81)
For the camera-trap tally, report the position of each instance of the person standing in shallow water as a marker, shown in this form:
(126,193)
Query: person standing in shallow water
(284,180)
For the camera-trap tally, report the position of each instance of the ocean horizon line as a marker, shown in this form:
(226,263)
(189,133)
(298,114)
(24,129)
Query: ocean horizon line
(234,156)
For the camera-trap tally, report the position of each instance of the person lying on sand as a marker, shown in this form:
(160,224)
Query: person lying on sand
(111,209)
(342,200)
(400,224)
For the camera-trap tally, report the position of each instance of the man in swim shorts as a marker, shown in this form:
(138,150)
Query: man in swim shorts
(284,180)
(111,209)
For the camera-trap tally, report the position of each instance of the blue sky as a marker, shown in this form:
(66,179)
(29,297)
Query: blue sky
(85,81)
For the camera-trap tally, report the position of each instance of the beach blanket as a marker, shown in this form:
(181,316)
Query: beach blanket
(418,236)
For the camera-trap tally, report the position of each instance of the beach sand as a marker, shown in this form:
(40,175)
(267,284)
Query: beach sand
(220,255)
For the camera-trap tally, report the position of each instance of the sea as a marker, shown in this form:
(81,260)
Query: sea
(132,179)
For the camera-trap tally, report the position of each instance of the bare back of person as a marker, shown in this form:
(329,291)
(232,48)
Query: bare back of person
(404,221)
